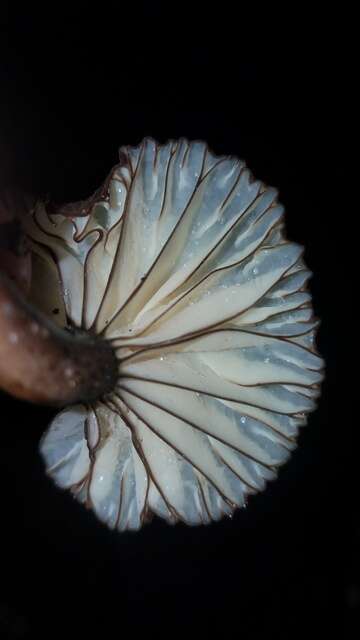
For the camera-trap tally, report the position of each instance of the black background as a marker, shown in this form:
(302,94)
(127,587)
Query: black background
(75,84)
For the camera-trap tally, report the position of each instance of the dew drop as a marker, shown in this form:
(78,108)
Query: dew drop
(34,328)
(243,419)
(7,308)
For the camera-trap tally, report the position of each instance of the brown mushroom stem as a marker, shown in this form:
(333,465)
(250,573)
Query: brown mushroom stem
(43,363)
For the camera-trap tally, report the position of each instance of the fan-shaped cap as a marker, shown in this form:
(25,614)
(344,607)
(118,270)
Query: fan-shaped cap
(184,268)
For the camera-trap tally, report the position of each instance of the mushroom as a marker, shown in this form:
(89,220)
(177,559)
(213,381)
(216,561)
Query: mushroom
(169,316)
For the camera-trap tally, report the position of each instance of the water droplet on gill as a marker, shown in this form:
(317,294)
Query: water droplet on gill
(255,271)
(34,328)
(7,308)
(243,419)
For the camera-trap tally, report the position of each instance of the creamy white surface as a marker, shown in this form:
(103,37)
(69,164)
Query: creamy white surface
(186,270)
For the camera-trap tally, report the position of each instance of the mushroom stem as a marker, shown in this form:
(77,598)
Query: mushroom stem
(43,363)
